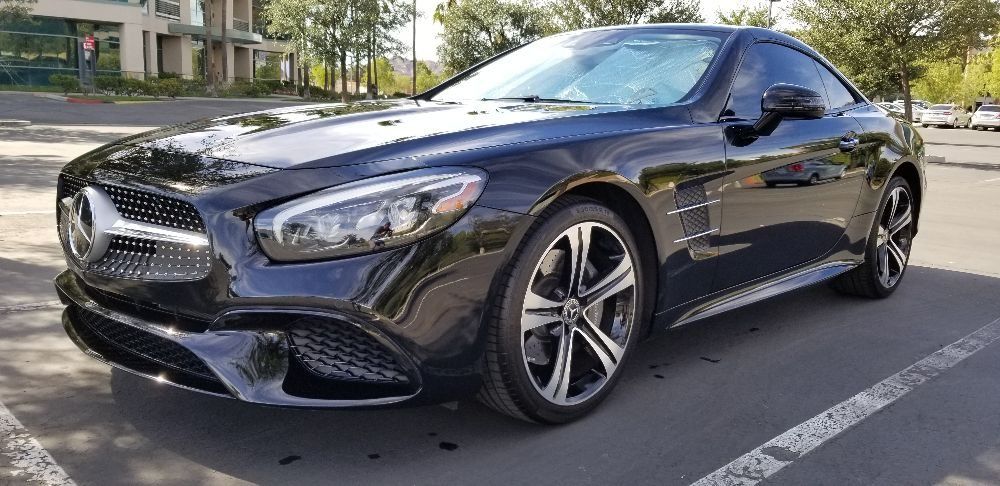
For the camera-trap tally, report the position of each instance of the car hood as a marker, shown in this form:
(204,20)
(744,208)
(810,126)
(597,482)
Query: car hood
(332,135)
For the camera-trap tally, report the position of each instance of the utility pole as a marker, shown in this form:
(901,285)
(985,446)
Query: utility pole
(414,93)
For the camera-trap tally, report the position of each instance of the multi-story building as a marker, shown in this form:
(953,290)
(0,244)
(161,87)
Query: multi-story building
(140,38)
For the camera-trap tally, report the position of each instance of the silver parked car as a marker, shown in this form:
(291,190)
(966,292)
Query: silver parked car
(950,115)
(986,117)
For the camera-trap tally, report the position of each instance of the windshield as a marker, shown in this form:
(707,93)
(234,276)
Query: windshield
(634,66)
(942,107)
(989,108)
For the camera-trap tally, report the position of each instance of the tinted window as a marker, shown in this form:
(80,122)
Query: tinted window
(942,107)
(989,108)
(839,95)
(764,65)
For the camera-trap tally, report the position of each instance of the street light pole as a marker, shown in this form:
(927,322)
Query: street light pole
(770,4)
(414,90)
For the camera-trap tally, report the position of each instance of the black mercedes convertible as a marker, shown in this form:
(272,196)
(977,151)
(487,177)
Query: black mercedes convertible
(513,234)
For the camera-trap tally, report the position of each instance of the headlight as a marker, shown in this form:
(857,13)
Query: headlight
(368,215)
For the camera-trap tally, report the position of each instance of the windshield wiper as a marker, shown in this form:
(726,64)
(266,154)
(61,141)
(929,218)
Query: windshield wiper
(537,99)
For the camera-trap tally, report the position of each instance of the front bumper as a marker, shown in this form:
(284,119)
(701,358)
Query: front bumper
(393,328)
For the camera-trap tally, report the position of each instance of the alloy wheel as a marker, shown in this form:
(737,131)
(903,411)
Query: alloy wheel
(893,238)
(578,313)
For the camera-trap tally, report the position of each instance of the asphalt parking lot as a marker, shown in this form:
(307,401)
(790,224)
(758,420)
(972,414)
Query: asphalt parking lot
(693,400)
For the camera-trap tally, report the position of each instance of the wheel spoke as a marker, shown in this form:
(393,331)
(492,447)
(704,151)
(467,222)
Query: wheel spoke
(608,361)
(883,265)
(558,386)
(609,344)
(900,222)
(621,278)
(579,244)
(536,303)
(893,202)
(531,320)
(897,254)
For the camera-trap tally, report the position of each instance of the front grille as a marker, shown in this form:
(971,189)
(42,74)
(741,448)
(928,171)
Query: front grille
(142,344)
(140,258)
(341,351)
(139,205)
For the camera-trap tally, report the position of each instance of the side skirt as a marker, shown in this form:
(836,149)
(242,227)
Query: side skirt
(797,280)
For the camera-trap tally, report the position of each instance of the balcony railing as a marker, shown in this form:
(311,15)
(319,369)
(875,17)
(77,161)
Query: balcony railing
(168,9)
(240,24)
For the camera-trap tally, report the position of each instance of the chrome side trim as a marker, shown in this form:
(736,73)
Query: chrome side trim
(699,235)
(695,206)
(784,284)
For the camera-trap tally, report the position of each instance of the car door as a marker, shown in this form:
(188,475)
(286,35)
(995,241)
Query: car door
(788,196)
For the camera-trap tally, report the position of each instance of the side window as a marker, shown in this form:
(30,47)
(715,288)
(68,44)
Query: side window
(838,94)
(766,64)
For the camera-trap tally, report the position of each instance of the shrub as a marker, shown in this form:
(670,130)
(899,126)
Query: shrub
(193,87)
(135,87)
(65,82)
(170,87)
(168,76)
(110,85)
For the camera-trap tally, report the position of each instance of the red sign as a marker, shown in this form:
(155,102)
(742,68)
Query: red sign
(88,43)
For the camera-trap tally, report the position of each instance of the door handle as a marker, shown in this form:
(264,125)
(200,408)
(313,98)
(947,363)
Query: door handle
(849,142)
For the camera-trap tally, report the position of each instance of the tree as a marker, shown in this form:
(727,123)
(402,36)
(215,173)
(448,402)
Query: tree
(877,37)
(745,15)
(294,20)
(475,30)
(15,10)
(582,14)
(210,78)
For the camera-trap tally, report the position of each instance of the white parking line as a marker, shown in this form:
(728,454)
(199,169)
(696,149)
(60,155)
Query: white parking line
(29,461)
(24,213)
(28,307)
(766,460)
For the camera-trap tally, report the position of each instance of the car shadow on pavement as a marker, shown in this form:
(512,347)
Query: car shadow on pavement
(690,400)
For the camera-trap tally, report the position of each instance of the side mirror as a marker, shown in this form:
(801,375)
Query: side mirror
(788,101)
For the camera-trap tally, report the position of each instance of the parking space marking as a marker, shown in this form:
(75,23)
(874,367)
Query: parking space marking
(25,213)
(772,456)
(28,307)
(29,461)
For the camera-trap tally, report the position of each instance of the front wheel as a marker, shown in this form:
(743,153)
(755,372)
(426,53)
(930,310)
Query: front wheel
(571,309)
(888,248)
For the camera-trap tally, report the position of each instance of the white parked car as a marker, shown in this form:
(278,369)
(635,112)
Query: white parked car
(986,117)
(919,107)
(892,109)
(946,115)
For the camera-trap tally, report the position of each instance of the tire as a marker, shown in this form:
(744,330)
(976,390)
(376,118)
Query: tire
(876,277)
(523,357)
(771,184)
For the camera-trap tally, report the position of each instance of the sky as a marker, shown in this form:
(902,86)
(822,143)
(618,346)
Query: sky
(428,30)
